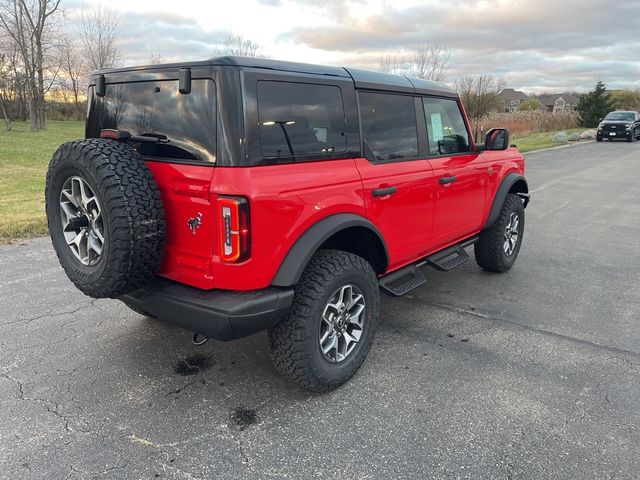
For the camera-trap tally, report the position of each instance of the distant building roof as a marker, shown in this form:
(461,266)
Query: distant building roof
(507,94)
(550,98)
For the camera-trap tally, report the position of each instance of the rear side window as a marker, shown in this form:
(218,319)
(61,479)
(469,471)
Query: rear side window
(389,125)
(300,119)
(446,130)
(184,124)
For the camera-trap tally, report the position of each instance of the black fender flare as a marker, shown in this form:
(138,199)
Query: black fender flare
(501,195)
(312,239)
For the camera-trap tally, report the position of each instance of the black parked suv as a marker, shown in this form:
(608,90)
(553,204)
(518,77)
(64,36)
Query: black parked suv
(619,124)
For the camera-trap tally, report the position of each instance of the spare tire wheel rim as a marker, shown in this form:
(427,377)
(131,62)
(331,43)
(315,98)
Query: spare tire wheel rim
(511,233)
(342,323)
(82,222)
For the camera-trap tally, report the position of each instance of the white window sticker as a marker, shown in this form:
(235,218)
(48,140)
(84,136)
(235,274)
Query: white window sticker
(436,127)
(321,134)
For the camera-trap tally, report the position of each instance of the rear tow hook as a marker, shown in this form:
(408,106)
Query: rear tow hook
(199,339)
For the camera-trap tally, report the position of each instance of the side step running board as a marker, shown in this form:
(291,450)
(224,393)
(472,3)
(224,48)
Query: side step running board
(403,281)
(410,277)
(451,257)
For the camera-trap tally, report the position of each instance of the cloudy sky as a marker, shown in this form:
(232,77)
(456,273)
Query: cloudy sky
(536,45)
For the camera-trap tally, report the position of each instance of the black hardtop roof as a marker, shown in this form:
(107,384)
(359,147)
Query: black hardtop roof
(365,79)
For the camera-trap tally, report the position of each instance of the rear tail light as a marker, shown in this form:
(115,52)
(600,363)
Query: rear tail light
(114,134)
(233,213)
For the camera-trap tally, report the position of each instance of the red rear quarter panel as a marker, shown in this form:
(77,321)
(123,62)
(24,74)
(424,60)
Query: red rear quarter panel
(185,191)
(284,200)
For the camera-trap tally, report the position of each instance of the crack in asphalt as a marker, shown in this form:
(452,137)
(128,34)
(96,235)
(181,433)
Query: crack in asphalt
(160,447)
(47,403)
(180,389)
(50,315)
(166,463)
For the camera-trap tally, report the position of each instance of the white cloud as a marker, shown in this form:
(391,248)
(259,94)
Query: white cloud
(534,44)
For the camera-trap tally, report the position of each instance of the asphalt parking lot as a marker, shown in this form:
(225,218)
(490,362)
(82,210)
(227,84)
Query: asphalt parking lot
(534,374)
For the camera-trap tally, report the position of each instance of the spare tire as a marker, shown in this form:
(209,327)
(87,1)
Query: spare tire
(105,216)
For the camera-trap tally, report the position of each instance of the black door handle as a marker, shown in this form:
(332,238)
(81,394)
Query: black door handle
(381,192)
(447,180)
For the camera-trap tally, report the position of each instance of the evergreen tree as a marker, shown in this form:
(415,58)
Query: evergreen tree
(594,105)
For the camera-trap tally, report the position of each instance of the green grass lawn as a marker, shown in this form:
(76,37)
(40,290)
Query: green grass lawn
(24,158)
(536,141)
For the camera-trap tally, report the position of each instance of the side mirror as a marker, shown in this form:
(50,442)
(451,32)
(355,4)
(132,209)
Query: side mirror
(496,139)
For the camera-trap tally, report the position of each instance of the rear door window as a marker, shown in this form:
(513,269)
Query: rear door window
(446,130)
(388,124)
(184,124)
(299,119)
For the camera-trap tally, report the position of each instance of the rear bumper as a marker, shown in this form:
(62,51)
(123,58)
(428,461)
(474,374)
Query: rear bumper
(219,314)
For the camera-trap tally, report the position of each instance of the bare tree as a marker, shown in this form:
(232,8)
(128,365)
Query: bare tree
(27,23)
(240,46)
(5,88)
(13,80)
(99,36)
(430,62)
(73,66)
(156,59)
(479,94)
(394,64)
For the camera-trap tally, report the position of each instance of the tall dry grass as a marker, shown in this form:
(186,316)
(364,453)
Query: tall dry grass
(531,121)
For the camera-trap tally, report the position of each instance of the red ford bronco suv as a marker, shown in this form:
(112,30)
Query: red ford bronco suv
(234,195)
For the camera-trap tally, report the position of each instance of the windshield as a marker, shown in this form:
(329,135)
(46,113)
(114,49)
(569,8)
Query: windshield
(623,116)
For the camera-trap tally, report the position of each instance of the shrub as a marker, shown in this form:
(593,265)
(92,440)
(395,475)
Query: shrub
(530,104)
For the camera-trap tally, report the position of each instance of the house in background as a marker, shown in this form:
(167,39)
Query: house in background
(510,99)
(559,102)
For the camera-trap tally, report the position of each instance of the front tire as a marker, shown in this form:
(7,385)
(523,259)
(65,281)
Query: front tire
(331,325)
(498,247)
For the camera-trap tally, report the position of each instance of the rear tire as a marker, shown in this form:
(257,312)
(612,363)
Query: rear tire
(498,247)
(337,299)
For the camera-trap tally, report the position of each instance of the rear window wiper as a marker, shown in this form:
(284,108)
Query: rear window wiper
(126,136)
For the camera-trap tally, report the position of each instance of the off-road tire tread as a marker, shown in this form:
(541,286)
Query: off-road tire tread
(131,199)
(287,338)
(488,249)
